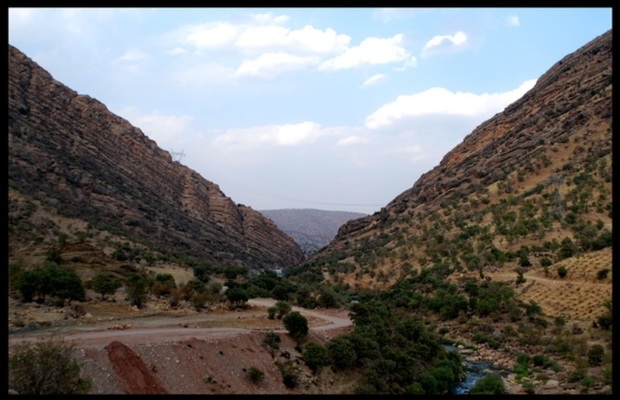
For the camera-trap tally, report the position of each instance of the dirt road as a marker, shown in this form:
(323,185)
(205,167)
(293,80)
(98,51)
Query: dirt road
(170,329)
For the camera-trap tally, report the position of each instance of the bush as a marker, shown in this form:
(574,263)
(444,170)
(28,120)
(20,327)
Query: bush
(489,384)
(237,296)
(602,274)
(290,373)
(255,375)
(342,352)
(47,367)
(316,356)
(562,271)
(136,289)
(282,308)
(595,355)
(545,262)
(296,324)
(272,340)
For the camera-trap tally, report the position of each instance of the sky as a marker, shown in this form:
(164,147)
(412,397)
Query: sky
(324,108)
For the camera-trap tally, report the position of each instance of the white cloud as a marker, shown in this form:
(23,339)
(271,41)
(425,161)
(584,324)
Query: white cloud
(442,101)
(269,18)
(436,44)
(351,140)
(268,65)
(305,40)
(202,74)
(374,80)
(211,35)
(166,130)
(372,51)
(413,151)
(133,55)
(513,20)
(389,14)
(269,136)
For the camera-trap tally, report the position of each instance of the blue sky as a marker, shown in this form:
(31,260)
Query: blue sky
(326,108)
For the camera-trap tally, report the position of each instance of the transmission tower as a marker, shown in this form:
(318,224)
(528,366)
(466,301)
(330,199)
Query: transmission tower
(177,156)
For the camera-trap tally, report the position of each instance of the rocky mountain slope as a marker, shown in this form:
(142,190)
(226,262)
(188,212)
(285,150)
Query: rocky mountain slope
(532,182)
(311,229)
(72,156)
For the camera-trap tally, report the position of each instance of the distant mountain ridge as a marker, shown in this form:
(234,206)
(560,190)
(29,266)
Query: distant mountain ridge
(312,229)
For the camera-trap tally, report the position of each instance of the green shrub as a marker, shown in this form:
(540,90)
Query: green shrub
(562,271)
(290,373)
(255,375)
(296,324)
(46,367)
(595,355)
(577,375)
(602,274)
(316,356)
(489,384)
(272,340)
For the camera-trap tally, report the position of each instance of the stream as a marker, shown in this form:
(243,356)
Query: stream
(474,371)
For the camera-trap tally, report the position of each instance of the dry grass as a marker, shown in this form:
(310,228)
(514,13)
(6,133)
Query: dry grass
(578,297)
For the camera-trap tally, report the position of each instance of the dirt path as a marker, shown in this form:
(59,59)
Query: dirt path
(169,329)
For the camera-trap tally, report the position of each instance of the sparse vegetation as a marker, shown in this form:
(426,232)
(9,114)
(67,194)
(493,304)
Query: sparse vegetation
(46,367)
(489,384)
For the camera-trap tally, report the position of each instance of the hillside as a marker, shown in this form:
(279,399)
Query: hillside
(311,229)
(532,182)
(77,171)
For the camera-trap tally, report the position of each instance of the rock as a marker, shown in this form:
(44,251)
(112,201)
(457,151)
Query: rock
(104,164)
(551,384)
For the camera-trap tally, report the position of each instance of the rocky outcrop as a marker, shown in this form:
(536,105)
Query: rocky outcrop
(70,152)
(565,118)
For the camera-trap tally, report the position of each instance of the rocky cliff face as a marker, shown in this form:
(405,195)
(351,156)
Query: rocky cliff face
(72,154)
(560,131)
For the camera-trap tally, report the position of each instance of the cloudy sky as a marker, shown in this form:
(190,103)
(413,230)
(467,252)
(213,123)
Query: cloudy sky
(326,108)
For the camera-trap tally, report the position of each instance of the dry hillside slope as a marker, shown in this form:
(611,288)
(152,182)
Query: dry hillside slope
(78,160)
(534,181)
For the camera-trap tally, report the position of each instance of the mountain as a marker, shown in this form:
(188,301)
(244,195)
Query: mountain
(532,182)
(311,229)
(72,157)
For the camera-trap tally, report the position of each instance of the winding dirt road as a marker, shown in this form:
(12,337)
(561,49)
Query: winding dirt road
(166,332)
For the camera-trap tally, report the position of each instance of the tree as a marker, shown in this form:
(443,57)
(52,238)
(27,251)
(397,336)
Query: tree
(52,280)
(237,296)
(33,283)
(201,272)
(296,324)
(104,283)
(282,308)
(136,289)
(342,352)
(47,367)
(316,356)
(66,284)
